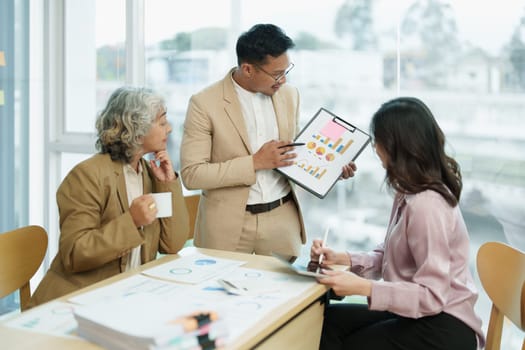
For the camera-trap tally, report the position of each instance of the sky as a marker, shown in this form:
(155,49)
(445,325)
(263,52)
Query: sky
(487,24)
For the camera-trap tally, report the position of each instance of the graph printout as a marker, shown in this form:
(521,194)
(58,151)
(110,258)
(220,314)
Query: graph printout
(330,143)
(192,269)
(55,318)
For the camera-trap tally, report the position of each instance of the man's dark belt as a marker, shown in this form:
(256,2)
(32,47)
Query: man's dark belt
(264,207)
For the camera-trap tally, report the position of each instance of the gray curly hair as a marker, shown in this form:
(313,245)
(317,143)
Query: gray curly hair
(127,117)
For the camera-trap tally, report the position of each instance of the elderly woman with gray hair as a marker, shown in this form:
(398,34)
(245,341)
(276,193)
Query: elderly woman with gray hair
(108,221)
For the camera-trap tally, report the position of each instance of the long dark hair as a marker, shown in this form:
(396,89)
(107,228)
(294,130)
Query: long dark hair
(415,148)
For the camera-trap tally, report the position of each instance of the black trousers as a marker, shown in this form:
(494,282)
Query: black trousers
(355,327)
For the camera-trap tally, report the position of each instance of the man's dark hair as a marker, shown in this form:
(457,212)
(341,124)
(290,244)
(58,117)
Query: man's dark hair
(260,41)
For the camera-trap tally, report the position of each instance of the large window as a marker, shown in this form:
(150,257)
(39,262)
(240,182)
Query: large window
(95,55)
(465,59)
(14,126)
(353,55)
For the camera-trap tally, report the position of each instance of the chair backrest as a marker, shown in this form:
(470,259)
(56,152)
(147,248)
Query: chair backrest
(501,269)
(21,253)
(192,204)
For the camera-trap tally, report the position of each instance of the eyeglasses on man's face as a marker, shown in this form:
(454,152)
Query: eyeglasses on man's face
(278,77)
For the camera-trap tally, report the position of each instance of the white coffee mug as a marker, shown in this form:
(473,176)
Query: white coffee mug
(163,202)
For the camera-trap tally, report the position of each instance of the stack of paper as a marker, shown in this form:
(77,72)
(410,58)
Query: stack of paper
(142,322)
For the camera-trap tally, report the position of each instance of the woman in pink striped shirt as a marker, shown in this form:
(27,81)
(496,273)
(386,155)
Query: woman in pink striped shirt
(418,285)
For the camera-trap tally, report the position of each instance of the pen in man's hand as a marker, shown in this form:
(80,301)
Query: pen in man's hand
(323,243)
(293,144)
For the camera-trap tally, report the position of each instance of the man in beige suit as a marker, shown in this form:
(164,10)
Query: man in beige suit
(235,134)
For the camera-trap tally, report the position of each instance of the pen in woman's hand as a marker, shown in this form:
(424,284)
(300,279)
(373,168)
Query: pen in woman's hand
(323,243)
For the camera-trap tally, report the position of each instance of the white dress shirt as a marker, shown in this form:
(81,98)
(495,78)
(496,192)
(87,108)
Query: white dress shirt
(134,189)
(261,124)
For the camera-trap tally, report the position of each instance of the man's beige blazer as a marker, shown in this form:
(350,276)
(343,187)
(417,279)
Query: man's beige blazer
(216,157)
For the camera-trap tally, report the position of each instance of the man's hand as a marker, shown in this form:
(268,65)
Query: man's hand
(348,171)
(271,156)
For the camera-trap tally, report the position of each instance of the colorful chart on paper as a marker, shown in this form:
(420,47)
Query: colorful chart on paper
(330,143)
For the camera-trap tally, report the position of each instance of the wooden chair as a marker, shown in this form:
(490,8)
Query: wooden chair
(501,269)
(192,203)
(21,253)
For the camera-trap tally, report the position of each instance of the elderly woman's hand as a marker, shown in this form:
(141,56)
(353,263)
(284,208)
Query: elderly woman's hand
(162,167)
(143,210)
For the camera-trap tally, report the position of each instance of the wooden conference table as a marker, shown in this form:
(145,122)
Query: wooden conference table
(295,325)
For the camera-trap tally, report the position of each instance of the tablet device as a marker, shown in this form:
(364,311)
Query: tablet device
(300,266)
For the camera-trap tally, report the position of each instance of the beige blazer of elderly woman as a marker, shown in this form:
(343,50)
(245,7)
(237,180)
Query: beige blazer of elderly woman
(216,157)
(97,231)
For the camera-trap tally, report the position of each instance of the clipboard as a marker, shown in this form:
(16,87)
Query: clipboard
(330,142)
